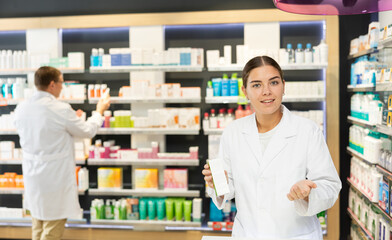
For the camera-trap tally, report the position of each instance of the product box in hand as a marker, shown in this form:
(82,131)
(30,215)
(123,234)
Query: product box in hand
(146,178)
(176,178)
(110,178)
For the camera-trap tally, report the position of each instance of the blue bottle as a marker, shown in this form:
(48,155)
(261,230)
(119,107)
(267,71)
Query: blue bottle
(234,85)
(225,86)
(217,87)
(94,59)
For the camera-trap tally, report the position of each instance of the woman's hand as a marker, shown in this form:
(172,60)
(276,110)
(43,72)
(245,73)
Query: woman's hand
(301,190)
(208,176)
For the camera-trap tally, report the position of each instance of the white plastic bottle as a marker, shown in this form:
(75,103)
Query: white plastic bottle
(206,121)
(323,52)
(213,120)
(308,53)
(9,62)
(354,105)
(290,52)
(83,179)
(299,54)
(229,116)
(221,118)
(386,142)
(3,59)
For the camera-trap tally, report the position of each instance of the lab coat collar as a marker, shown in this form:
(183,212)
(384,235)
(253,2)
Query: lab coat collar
(278,142)
(42,94)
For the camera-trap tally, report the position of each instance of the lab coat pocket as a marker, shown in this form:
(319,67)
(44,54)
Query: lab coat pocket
(46,176)
(291,224)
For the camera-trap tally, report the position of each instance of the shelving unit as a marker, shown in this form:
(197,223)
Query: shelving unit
(384,87)
(363,53)
(385,43)
(19,191)
(358,155)
(144,162)
(145,193)
(124,100)
(12,102)
(162,131)
(360,122)
(121,69)
(12,191)
(11,72)
(355,218)
(10,161)
(8,132)
(361,88)
(217,131)
(148,224)
(384,129)
(385,215)
(228,17)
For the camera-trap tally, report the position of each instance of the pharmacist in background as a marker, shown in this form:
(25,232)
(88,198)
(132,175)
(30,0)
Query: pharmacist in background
(47,127)
(278,166)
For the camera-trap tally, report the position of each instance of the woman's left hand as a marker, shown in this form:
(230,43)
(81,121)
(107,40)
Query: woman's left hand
(301,190)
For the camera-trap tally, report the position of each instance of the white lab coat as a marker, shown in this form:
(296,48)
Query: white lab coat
(46,128)
(260,182)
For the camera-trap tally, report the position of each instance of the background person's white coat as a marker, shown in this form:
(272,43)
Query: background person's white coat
(297,151)
(46,128)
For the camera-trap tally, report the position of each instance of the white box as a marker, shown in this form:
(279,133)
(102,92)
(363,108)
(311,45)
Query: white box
(227,54)
(212,58)
(136,56)
(7,146)
(7,155)
(76,60)
(79,144)
(127,154)
(17,153)
(190,92)
(219,177)
(79,154)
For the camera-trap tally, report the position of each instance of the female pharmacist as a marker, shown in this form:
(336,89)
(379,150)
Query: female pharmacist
(278,166)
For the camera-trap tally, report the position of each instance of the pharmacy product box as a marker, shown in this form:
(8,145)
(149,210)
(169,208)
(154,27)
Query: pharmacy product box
(384,194)
(146,178)
(110,178)
(175,178)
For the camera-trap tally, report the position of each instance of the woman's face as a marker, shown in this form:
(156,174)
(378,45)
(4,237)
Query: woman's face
(264,89)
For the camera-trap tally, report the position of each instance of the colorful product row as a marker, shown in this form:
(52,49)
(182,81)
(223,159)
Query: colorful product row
(11,180)
(146,57)
(170,209)
(145,178)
